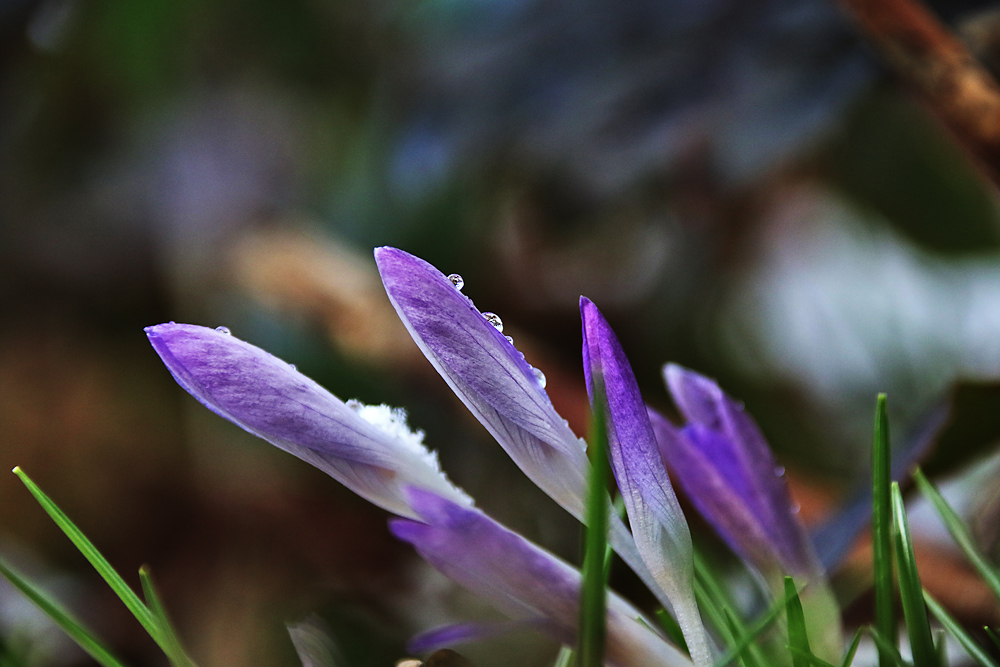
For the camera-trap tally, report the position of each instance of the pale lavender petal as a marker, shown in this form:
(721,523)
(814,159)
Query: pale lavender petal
(728,471)
(522,580)
(658,524)
(269,398)
(488,374)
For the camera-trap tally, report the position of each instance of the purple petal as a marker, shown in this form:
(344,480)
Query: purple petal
(269,398)
(488,374)
(461,633)
(728,471)
(493,380)
(658,524)
(520,579)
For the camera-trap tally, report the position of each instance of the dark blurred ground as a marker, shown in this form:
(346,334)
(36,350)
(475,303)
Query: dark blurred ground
(738,186)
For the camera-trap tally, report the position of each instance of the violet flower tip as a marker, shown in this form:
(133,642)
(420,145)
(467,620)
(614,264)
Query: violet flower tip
(406,530)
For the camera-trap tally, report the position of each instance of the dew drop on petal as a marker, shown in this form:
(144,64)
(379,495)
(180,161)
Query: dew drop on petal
(779,471)
(224,330)
(540,376)
(457,281)
(796,508)
(509,339)
(293,367)
(495,320)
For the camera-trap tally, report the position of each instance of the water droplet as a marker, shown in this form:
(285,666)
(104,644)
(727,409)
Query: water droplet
(540,376)
(796,508)
(509,339)
(457,281)
(779,471)
(224,330)
(293,367)
(495,320)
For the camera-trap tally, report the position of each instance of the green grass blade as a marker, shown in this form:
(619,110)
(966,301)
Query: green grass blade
(72,627)
(886,646)
(853,650)
(176,653)
(958,632)
(742,644)
(805,658)
(910,590)
(885,615)
(90,552)
(672,628)
(565,657)
(594,587)
(959,532)
(609,551)
(798,638)
(992,635)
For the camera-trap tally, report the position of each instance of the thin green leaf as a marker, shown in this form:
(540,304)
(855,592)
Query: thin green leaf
(65,620)
(800,657)
(885,615)
(176,653)
(886,647)
(746,656)
(565,657)
(958,632)
(609,551)
(853,650)
(992,635)
(910,590)
(798,638)
(744,642)
(594,587)
(672,628)
(90,552)
(959,532)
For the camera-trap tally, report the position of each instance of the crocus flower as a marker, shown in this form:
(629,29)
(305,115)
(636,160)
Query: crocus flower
(494,381)
(368,449)
(727,469)
(522,580)
(658,524)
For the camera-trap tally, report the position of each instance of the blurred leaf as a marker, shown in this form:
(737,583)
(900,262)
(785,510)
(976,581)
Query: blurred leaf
(65,620)
(959,532)
(958,632)
(853,649)
(896,159)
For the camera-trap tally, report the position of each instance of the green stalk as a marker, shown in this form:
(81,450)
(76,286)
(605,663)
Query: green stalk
(885,616)
(910,591)
(594,588)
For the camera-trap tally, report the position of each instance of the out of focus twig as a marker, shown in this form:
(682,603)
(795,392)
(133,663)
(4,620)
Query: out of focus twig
(925,54)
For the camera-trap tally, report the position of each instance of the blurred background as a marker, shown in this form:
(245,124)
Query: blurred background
(740,186)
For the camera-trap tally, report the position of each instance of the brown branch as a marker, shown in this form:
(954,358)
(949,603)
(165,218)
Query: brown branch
(925,54)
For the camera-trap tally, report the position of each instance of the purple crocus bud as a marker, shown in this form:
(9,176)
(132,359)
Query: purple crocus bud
(522,580)
(658,524)
(369,449)
(725,466)
(498,386)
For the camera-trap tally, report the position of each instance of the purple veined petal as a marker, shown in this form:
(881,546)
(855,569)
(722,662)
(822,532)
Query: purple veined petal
(522,580)
(494,381)
(367,449)
(723,449)
(488,374)
(658,524)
